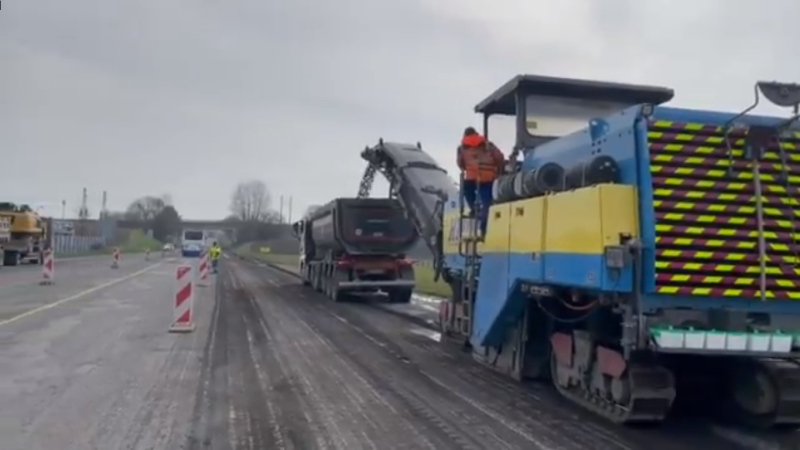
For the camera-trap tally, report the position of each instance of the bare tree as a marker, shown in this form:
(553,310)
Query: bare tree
(250,202)
(145,208)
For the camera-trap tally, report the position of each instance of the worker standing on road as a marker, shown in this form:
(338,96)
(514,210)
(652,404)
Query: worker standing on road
(215,253)
(481,162)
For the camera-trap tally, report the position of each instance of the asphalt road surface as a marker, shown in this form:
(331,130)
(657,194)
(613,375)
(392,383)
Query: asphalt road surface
(88,364)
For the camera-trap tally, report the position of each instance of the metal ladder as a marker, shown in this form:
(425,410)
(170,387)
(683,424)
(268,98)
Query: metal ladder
(468,249)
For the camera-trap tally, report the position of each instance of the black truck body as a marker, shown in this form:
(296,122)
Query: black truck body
(358,245)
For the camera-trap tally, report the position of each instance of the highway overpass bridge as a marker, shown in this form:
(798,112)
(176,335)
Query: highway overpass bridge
(226,227)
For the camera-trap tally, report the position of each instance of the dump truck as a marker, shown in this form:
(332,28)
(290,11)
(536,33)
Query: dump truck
(634,252)
(353,245)
(28,235)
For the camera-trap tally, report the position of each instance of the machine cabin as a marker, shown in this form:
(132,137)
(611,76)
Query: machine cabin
(550,107)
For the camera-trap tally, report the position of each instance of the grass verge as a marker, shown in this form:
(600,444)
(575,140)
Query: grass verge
(138,242)
(427,285)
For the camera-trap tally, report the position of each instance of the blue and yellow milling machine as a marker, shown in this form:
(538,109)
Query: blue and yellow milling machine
(636,250)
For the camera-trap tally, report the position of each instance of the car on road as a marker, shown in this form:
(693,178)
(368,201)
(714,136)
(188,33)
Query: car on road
(168,247)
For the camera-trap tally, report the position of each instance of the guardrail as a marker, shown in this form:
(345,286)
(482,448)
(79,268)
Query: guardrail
(70,245)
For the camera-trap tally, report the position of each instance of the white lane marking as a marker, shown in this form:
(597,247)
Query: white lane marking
(78,295)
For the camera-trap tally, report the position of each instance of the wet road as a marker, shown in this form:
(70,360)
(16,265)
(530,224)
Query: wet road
(88,364)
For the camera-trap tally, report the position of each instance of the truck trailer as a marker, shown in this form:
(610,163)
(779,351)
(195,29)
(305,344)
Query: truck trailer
(633,250)
(357,245)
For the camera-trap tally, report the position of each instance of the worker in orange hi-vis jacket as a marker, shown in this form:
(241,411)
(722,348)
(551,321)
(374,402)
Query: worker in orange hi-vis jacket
(481,162)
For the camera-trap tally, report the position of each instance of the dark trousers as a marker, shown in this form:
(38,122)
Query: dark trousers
(472,192)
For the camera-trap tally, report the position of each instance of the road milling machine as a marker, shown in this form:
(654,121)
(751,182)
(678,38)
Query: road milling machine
(633,250)
(353,245)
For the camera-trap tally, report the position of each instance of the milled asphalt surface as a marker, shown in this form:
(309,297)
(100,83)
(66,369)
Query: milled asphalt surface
(480,408)
(88,364)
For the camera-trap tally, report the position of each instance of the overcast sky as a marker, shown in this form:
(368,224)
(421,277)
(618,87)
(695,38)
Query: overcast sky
(188,97)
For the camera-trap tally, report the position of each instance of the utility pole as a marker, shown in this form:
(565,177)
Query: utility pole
(280,214)
(290,210)
(83,212)
(63,209)
(103,210)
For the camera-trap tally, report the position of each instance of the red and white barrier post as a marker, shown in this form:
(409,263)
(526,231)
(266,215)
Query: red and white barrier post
(48,268)
(203,269)
(115,259)
(183,306)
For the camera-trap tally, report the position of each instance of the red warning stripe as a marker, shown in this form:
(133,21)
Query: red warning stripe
(704,144)
(738,164)
(722,280)
(720,151)
(723,233)
(183,294)
(729,269)
(703,173)
(701,128)
(705,219)
(717,196)
(664,181)
(771,212)
(669,241)
(716,208)
(743,259)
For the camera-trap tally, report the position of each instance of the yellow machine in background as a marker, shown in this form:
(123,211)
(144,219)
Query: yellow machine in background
(27,234)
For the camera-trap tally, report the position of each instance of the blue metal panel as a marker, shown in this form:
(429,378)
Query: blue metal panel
(647,219)
(492,300)
(616,141)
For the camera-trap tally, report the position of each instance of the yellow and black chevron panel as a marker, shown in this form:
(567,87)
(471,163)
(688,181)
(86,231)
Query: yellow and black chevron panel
(706,217)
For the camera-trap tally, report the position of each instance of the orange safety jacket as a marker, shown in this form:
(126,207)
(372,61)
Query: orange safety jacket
(479,159)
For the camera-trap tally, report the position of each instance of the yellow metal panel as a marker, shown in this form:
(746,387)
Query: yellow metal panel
(527,225)
(586,220)
(452,234)
(497,232)
(573,222)
(620,212)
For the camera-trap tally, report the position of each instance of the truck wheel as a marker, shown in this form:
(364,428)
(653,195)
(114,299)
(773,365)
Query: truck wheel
(338,295)
(400,295)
